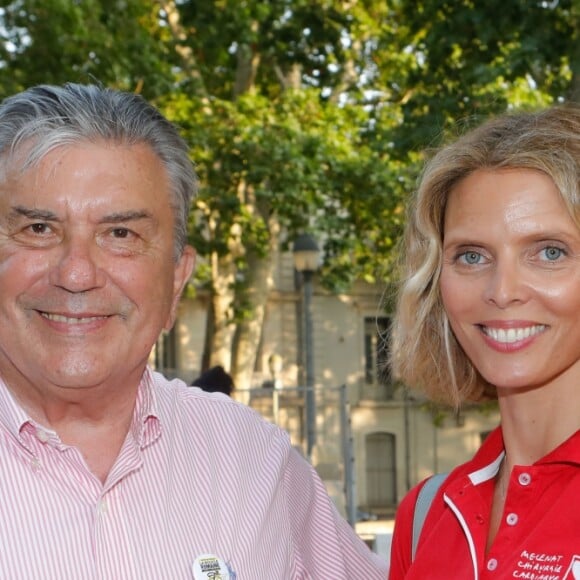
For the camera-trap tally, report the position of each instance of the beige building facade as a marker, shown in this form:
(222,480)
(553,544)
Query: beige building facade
(373,440)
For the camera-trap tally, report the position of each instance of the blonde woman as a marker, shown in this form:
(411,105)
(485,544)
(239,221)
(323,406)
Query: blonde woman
(489,306)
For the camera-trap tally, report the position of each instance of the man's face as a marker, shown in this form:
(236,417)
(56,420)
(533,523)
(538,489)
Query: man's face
(87,273)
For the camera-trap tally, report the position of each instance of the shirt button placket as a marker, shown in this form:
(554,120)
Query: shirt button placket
(103,506)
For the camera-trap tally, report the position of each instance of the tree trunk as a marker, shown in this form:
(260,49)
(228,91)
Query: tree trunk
(249,331)
(248,63)
(221,318)
(179,35)
(257,291)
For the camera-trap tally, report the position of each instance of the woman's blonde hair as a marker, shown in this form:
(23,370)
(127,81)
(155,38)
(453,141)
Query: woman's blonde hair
(424,351)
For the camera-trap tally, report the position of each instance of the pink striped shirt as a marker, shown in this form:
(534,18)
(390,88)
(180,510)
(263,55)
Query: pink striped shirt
(198,474)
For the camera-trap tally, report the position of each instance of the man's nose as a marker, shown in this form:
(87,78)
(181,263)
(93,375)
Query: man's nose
(77,266)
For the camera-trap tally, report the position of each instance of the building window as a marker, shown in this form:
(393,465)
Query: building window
(381,470)
(376,349)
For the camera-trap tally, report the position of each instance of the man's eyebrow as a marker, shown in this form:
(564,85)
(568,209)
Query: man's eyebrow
(32,213)
(47,215)
(126,216)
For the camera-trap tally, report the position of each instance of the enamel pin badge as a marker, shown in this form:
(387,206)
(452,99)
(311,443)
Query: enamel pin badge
(210,567)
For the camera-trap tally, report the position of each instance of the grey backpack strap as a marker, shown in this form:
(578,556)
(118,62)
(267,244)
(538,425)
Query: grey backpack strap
(424,500)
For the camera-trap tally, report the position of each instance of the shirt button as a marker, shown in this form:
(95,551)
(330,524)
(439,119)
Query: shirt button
(525,478)
(103,506)
(512,519)
(491,564)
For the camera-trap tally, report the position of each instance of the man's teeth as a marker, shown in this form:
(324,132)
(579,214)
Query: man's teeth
(71,320)
(509,335)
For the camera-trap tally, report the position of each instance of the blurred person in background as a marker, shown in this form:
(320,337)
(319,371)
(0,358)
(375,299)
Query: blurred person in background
(215,380)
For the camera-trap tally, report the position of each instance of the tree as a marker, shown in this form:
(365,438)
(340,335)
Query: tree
(114,42)
(281,151)
(472,59)
(300,113)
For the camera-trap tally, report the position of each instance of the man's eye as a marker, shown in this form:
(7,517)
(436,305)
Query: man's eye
(121,233)
(39,228)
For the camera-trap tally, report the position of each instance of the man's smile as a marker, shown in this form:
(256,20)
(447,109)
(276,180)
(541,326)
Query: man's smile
(72,319)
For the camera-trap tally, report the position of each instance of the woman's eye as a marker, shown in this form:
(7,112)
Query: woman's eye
(470,257)
(552,253)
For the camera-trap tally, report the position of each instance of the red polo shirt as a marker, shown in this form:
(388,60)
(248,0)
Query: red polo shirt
(539,536)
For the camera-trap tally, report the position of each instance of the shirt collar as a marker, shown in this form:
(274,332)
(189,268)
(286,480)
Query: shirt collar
(144,427)
(566,452)
(12,415)
(487,460)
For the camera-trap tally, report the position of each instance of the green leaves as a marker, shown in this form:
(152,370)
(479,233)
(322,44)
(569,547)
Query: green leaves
(116,42)
(303,113)
(473,59)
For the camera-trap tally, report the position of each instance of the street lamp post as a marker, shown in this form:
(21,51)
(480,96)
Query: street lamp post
(306,259)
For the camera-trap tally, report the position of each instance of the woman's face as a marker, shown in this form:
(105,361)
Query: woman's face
(510,281)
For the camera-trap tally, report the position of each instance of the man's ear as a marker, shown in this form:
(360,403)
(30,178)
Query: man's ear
(183,270)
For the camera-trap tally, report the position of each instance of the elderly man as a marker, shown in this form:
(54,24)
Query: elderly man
(107,469)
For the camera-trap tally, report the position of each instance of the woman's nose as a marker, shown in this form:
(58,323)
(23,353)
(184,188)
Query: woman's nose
(505,284)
